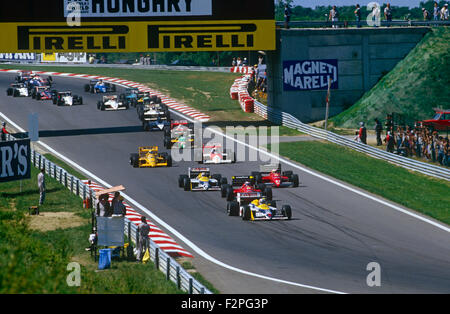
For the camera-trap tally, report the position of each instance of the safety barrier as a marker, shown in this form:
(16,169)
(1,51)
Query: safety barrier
(363,23)
(161,259)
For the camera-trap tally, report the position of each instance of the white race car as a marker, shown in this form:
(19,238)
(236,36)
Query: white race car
(18,90)
(66,99)
(111,102)
(153,116)
(253,206)
(200,179)
(214,154)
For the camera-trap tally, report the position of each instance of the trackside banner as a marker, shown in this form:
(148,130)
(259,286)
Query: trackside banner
(310,75)
(62,26)
(17,56)
(15,160)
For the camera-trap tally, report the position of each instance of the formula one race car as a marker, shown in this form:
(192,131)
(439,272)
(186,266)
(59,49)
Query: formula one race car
(252,206)
(148,157)
(271,174)
(111,103)
(130,96)
(66,99)
(153,116)
(23,76)
(200,179)
(98,86)
(42,93)
(179,135)
(214,154)
(244,184)
(18,90)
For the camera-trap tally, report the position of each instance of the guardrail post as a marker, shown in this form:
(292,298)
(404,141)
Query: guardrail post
(168,268)
(71,183)
(202,290)
(77,188)
(178,278)
(190,285)
(157,258)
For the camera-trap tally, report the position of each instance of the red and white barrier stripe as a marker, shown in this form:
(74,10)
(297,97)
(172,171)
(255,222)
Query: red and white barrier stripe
(184,109)
(239,91)
(242,69)
(165,242)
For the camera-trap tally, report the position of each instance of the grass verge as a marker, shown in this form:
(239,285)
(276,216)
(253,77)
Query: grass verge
(418,192)
(35,250)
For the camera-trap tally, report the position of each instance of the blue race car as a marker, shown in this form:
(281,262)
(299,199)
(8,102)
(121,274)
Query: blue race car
(130,96)
(98,86)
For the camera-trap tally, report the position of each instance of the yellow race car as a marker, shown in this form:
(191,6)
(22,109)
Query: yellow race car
(148,157)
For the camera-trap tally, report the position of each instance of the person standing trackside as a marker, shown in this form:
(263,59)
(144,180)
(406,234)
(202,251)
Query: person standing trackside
(363,133)
(378,130)
(143,231)
(436,11)
(287,15)
(388,13)
(4,132)
(41,185)
(358,16)
(118,208)
(334,16)
(444,12)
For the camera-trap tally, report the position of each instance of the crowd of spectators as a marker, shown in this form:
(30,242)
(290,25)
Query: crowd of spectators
(417,141)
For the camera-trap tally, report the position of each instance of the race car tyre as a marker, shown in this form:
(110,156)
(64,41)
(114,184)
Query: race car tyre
(87,88)
(181,180)
(287,174)
(187,184)
(102,106)
(81,100)
(134,160)
(145,126)
(258,178)
(295,180)
(218,177)
(54,100)
(38,96)
(9,92)
(223,181)
(286,211)
(233,208)
(169,161)
(247,214)
(272,204)
(33,95)
(167,142)
(268,193)
(223,190)
(16,93)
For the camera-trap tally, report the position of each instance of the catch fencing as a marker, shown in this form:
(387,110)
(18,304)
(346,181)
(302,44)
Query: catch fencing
(163,262)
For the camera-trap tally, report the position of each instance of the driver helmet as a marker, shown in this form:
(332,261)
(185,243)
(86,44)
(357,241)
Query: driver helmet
(247,183)
(262,201)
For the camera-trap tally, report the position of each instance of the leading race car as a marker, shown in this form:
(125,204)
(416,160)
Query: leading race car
(18,90)
(214,154)
(111,102)
(180,134)
(252,206)
(200,179)
(42,93)
(244,184)
(153,116)
(66,99)
(148,157)
(98,86)
(271,174)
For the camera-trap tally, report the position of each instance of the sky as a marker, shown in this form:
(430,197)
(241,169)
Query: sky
(313,3)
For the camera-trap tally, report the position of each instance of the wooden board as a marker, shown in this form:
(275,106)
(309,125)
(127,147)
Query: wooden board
(110,190)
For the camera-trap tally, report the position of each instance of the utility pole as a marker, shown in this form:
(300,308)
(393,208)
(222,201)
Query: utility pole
(328,102)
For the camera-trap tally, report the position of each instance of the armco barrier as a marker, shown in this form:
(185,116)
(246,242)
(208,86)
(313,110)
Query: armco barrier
(286,119)
(161,259)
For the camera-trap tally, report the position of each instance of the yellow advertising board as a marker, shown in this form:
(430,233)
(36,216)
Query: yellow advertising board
(49,57)
(140,36)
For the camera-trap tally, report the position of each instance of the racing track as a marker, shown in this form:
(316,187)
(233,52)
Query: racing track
(334,233)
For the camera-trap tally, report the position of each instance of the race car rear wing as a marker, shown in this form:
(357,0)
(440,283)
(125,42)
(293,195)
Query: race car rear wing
(270,167)
(240,180)
(245,198)
(194,172)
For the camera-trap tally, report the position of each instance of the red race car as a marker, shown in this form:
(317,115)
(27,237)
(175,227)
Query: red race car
(440,122)
(244,184)
(42,93)
(271,174)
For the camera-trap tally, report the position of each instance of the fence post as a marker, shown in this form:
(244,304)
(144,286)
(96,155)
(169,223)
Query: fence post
(190,285)
(77,188)
(157,258)
(168,268)
(178,278)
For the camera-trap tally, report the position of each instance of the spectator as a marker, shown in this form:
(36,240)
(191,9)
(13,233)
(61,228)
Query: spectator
(444,12)
(103,207)
(245,63)
(41,186)
(260,59)
(4,132)
(358,15)
(143,231)
(234,62)
(239,62)
(287,15)
(390,142)
(436,11)
(378,130)
(334,16)
(388,13)
(117,206)
(356,138)
(362,133)
(426,14)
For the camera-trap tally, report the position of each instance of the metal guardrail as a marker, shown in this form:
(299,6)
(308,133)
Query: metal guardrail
(290,121)
(362,23)
(163,262)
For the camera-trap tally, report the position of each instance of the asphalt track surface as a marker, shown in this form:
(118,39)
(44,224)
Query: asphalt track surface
(334,234)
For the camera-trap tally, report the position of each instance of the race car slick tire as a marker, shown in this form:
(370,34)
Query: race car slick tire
(181,180)
(134,160)
(246,215)
(187,184)
(295,180)
(233,208)
(287,211)
(87,88)
(268,193)
(223,189)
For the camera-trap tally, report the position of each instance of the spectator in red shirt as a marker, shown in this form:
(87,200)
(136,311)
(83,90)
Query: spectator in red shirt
(4,132)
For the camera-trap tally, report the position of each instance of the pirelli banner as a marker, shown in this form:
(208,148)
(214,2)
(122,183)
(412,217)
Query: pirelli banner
(139,26)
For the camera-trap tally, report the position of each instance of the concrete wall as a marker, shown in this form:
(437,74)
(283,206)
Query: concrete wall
(364,55)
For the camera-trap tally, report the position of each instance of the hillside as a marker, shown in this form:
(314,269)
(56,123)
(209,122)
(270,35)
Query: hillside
(416,85)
